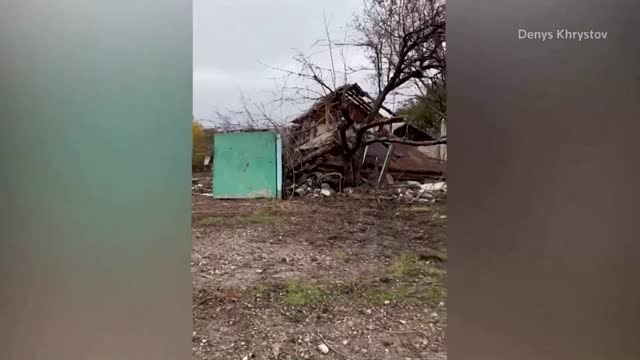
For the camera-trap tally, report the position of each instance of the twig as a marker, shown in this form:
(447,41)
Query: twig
(399,176)
(307,338)
(290,354)
(333,67)
(408,332)
(331,347)
(417,197)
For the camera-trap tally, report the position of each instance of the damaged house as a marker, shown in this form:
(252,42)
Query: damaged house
(409,132)
(316,143)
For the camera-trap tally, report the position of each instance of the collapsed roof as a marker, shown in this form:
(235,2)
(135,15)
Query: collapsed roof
(316,140)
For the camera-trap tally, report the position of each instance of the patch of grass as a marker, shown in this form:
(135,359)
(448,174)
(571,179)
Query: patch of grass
(424,209)
(381,295)
(298,295)
(259,218)
(436,272)
(339,254)
(212,220)
(254,218)
(247,313)
(436,295)
(408,266)
(436,255)
(405,265)
(261,290)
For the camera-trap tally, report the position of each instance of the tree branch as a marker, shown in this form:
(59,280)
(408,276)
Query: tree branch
(371,125)
(407,142)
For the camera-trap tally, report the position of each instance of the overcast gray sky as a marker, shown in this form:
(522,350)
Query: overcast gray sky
(234,38)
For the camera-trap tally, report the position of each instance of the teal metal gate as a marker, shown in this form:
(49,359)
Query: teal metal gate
(247,165)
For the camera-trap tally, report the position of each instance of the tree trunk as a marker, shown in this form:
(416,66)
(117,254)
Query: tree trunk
(351,171)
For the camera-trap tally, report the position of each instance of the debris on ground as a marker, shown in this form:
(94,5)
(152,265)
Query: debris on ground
(323,348)
(202,184)
(404,192)
(327,192)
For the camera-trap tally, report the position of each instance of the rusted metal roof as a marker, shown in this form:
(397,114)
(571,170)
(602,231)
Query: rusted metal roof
(405,160)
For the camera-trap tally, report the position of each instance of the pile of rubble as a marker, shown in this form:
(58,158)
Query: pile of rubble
(407,191)
(317,184)
(307,190)
(202,185)
(413,191)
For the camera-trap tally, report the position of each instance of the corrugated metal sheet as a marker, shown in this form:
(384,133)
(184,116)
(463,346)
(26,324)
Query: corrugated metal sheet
(406,160)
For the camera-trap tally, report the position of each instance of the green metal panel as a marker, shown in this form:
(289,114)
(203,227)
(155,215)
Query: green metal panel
(245,165)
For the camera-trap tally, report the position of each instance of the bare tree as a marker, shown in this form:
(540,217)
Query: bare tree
(405,44)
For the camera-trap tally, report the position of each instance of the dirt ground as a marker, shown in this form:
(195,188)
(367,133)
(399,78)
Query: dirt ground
(284,279)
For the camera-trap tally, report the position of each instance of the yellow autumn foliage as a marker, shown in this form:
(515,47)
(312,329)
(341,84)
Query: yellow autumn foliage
(198,132)
(202,145)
